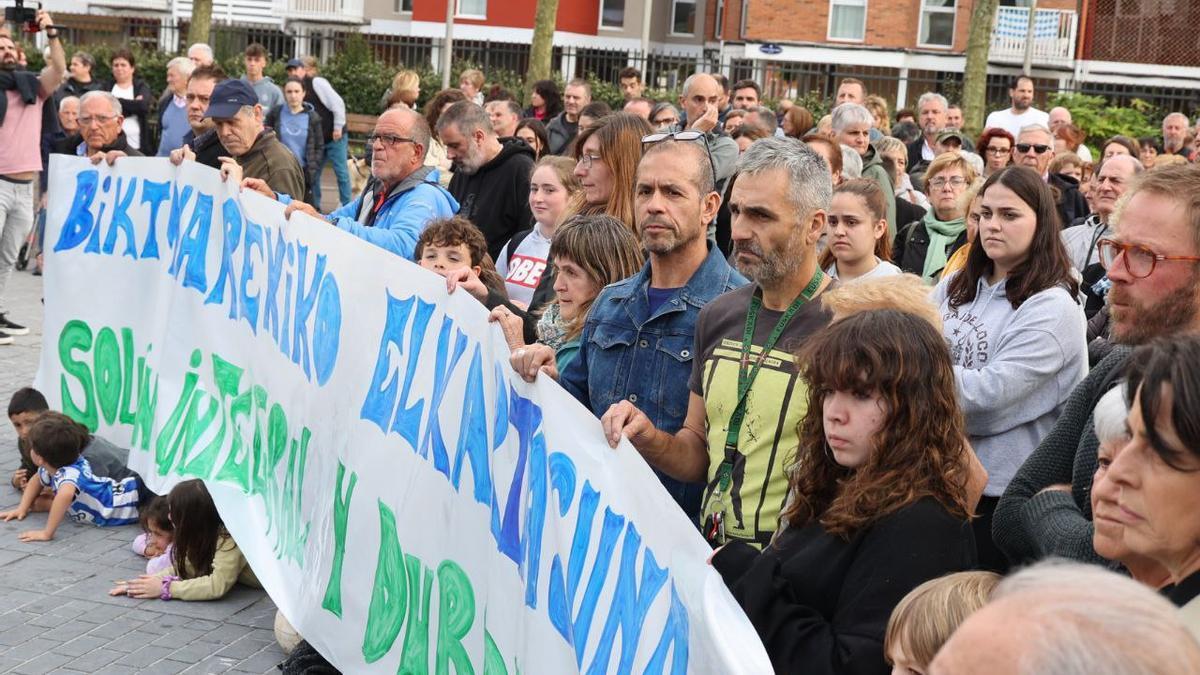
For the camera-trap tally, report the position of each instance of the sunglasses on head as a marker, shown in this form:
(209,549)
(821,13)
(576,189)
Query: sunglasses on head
(1024,148)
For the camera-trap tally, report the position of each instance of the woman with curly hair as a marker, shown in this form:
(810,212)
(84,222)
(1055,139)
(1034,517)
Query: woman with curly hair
(877,498)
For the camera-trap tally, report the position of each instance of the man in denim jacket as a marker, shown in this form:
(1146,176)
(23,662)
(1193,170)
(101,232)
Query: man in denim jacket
(638,340)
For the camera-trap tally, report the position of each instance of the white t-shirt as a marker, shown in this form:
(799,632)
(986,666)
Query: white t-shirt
(522,275)
(133,132)
(883,268)
(1005,119)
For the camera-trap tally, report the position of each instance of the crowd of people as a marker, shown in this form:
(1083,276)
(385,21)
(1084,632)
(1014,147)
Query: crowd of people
(879,364)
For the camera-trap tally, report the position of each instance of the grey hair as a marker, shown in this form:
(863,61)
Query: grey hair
(1186,121)
(468,117)
(933,96)
(418,129)
(1040,128)
(1086,620)
(704,178)
(851,162)
(766,118)
(851,113)
(113,102)
(200,46)
(889,144)
(810,187)
(183,65)
(661,106)
(66,99)
(691,79)
(1108,417)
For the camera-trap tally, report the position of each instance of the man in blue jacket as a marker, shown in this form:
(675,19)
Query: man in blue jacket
(403,195)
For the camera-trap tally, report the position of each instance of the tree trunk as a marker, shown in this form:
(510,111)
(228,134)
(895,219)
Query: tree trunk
(201,22)
(542,52)
(979,41)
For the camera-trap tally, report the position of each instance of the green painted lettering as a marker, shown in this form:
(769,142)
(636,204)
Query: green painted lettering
(456,613)
(415,658)
(106,359)
(77,335)
(341,514)
(389,593)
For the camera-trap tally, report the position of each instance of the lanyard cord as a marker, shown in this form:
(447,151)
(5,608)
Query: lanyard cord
(747,374)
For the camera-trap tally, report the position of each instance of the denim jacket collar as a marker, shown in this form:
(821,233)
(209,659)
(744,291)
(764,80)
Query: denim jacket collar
(712,278)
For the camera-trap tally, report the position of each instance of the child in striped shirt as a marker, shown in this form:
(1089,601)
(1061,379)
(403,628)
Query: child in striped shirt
(56,444)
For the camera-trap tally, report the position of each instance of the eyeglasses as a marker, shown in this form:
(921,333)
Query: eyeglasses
(588,160)
(1025,147)
(388,140)
(98,119)
(682,136)
(940,182)
(993,150)
(1139,260)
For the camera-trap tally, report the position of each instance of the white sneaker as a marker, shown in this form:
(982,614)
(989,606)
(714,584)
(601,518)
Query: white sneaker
(5,338)
(12,328)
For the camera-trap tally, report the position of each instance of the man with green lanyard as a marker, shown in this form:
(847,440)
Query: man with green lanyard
(746,398)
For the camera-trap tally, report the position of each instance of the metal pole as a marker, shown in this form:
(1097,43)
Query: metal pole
(647,5)
(1027,68)
(448,43)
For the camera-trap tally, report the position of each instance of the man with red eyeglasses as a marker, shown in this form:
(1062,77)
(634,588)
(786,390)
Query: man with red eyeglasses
(1035,148)
(1153,264)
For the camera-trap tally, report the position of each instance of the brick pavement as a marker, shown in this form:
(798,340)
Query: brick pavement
(55,613)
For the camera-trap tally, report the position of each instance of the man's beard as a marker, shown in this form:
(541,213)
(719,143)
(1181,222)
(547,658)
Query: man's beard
(1021,106)
(665,242)
(772,266)
(1171,314)
(1172,145)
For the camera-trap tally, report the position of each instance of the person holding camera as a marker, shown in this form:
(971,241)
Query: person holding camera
(24,95)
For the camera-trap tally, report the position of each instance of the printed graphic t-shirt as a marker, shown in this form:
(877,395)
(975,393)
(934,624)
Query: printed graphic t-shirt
(524,271)
(776,403)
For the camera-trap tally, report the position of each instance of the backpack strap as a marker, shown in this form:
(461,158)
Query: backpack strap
(516,242)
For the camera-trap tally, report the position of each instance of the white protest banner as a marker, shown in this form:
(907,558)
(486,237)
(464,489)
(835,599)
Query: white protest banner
(409,504)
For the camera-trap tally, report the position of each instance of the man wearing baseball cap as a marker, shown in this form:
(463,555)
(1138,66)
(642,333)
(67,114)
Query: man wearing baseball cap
(256,151)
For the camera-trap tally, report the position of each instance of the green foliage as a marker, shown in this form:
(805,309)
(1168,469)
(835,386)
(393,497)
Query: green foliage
(815,102)
(150,64)
(1101,120)
(605,91)
(358,76)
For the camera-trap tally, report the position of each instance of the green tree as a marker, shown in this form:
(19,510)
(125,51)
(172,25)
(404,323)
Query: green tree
(201,22)
(979,42)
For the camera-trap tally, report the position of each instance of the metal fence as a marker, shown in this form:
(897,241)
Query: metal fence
(507,62)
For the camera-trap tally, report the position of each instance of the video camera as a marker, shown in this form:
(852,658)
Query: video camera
(20,14)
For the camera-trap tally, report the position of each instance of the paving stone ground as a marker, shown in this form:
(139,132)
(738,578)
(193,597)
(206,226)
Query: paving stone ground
(55,613)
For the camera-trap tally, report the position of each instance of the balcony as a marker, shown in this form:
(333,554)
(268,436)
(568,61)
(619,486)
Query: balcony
(320,11)
(1054,32)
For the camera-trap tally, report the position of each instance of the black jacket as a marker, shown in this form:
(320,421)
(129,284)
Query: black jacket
(1071,204)
(139,108)
(906,211)
(912,245)
(496,197)
(207,146)
(821,603)
(73,87)
(314,145)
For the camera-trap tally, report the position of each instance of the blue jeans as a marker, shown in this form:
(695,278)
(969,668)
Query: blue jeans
(335,151)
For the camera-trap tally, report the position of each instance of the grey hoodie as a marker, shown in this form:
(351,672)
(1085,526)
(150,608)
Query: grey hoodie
(1014,368)
(269,94)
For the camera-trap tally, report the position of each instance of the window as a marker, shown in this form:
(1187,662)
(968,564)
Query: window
(937,23)
(720,23)
(683,17)
(612,14)
(470,8)
(847,19)
(403,7)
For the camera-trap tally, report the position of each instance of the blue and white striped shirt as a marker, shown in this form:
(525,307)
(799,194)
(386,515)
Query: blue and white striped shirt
(98,500)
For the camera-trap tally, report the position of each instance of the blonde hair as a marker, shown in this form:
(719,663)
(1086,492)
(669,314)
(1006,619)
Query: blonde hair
(564,171)
(926,617)
(405,81)
(947,161)
(1163,161)
(474,76)
(906,293)
(879,109)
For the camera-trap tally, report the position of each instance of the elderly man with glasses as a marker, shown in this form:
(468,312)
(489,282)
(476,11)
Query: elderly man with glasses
(403,195)
(100,135)
(1035,148)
